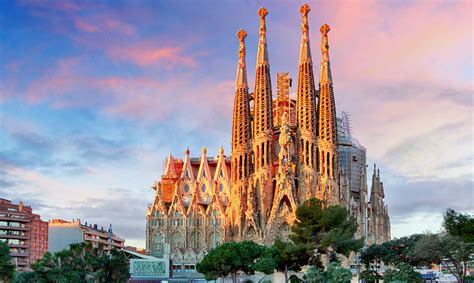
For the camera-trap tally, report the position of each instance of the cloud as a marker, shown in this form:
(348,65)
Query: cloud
(428,200)
(433,196)
(127,222)
(85,26)
(428,156)
(65,6)
(93,148)
(170,56)
(26,149)
(103,23)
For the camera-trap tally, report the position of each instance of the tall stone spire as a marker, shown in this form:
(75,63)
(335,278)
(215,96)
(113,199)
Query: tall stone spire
(327,135)
(241,124)
(263,114)
(306,111)
(241,141)
(262,127)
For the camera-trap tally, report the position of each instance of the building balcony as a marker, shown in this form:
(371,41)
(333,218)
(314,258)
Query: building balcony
(19,219)
(20,254)
(14,228)
(19,237)
(24,246)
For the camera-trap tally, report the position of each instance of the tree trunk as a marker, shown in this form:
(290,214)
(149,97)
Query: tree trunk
(286,273)
(234,277)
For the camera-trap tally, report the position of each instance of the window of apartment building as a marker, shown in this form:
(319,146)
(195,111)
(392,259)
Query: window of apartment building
(3,223)
(14,224)
(12,209)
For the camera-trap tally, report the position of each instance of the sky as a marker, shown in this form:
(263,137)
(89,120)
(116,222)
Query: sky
(94,96)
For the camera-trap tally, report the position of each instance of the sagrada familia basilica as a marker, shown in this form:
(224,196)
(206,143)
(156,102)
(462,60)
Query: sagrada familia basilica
(283,152)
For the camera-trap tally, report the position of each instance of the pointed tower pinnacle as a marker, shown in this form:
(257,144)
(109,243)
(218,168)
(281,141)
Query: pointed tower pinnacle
(327,129)
(263,112)
(262,56)
(241,125)
(326,76)
(241,81)
(305,52)
(241,141)
(306,105)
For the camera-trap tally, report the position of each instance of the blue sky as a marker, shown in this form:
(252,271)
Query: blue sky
(94,95)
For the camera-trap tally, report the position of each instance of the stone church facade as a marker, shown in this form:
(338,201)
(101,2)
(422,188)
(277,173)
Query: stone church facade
(283,151)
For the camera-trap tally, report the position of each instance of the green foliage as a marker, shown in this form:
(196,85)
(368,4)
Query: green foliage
(283,256)
(393,252)
(295,279)
(327,229)
(336,273)
(435,248)
(266,263)
(229,258)
(315,275)
(370,276)
(403,272)
(7,269)
(79,263)
(460,225)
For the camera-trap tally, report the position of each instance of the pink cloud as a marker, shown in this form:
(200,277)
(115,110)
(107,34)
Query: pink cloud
(85,26)
(148,55)
(65,6)
(380,42)
(103,23)
(117,25)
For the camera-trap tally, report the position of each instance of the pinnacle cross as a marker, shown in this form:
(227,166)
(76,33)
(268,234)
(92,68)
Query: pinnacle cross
(241,81)
(324,43)
(262,55)
(304,10)
(325,29)
(241,34)
(326,76)
(305,52)
(262,12)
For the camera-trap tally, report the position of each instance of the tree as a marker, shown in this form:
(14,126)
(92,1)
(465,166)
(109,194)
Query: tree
(370,275)
(7,269)
(403,272)
(80,263)
(450,251)
(283,256)
(460,225)
(336,273)
(315,275)
(230,258)
(329,230)
(393,252)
